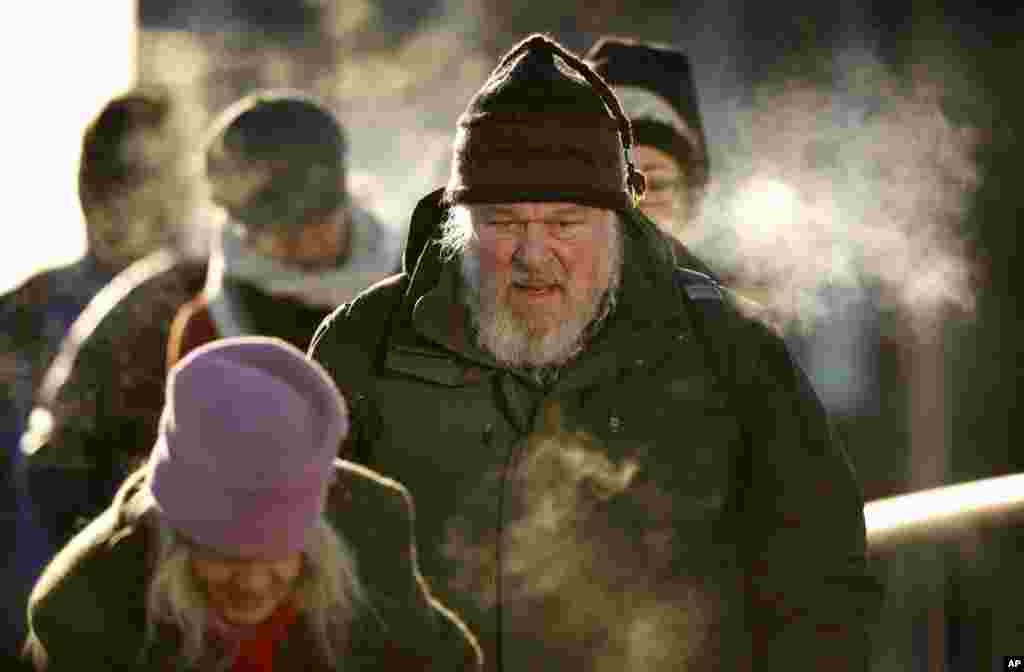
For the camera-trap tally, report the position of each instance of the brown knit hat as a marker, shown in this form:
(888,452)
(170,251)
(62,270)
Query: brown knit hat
(544,127)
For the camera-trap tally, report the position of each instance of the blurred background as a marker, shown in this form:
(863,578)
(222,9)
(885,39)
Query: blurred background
(863,186)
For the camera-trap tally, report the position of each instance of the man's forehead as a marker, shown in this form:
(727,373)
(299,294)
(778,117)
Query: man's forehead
(534,210)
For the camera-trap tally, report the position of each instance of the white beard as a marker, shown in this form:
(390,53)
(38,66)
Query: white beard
(517,343)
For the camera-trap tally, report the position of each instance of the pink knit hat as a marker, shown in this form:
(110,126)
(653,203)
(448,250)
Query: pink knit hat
(247,439)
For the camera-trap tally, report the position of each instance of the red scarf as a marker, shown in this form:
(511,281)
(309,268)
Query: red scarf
(256,644)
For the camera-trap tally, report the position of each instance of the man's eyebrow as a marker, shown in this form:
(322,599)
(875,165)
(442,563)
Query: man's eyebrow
(565,211)
(500,211)
(507,212)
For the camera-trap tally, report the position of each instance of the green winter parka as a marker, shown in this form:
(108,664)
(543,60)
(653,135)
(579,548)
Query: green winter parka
(680,513)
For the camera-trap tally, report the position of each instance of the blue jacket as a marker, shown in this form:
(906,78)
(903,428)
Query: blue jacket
(34,318)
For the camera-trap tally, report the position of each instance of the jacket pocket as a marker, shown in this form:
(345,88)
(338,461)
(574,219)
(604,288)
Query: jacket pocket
(434,367)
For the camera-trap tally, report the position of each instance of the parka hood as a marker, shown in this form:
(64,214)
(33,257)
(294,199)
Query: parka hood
(425,224)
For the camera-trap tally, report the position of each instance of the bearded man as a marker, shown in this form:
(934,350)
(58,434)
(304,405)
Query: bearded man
(690,487)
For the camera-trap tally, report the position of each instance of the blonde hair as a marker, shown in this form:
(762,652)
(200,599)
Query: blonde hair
(327,595)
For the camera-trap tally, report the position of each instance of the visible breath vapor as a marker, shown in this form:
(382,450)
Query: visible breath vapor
(863,183)
(589,560)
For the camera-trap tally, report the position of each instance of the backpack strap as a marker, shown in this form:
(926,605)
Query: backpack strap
(706,304)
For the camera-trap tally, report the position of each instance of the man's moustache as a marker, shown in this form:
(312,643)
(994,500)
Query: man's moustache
(535,281)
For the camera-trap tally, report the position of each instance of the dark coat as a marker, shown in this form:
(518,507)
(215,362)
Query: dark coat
(101,398)
(87,612)
(34,317)
(737,540)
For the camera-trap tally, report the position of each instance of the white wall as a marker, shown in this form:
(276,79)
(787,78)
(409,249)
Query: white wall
(61,61)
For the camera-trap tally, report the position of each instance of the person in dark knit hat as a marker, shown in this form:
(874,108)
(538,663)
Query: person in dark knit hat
(292,245)
(244,544)
(664,519)
(654,83)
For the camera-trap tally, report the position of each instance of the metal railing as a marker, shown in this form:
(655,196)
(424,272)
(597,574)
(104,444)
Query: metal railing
(941,512)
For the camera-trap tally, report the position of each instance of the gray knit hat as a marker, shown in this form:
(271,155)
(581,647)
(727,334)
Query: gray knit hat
(276,159)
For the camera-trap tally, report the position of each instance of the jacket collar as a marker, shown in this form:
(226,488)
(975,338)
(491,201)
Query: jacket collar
(441,317)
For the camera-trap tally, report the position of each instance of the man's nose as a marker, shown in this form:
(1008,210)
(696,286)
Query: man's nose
(533,248)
